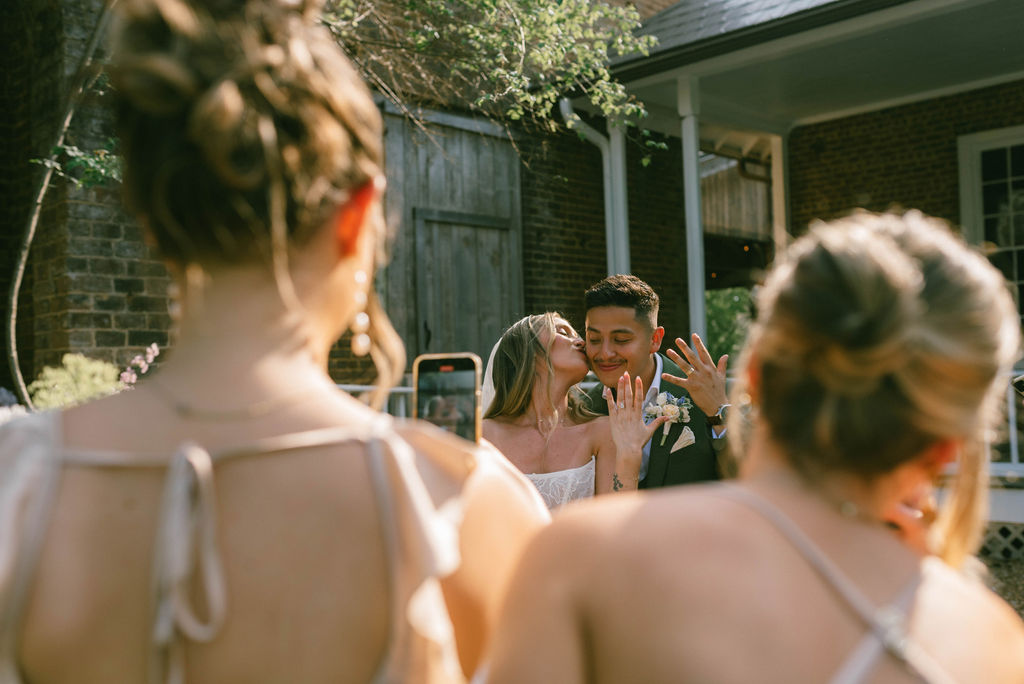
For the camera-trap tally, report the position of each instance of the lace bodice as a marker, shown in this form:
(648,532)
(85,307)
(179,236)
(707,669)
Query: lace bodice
(562,486)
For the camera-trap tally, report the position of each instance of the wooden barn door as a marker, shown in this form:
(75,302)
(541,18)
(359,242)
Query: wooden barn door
(455,279)
(466,283)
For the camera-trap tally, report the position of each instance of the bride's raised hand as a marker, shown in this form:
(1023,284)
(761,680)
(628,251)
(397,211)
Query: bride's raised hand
(629,433)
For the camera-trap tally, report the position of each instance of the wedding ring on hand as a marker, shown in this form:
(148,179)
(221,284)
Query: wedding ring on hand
(690,372)
(622,405)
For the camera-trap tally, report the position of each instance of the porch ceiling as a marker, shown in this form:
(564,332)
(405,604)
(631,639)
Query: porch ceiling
(911,51)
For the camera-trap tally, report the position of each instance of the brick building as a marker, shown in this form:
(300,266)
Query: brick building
(833,104)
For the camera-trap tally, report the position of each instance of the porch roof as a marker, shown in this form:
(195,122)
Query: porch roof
(766,66)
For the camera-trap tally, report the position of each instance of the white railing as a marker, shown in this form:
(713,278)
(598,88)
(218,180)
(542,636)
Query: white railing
(399,402)
(1011,470)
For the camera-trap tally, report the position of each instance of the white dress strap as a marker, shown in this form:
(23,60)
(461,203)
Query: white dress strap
(186,542)
(31,467)
(887,624)
(421,539)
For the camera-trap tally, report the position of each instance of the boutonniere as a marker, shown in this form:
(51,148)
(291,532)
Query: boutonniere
(676,408)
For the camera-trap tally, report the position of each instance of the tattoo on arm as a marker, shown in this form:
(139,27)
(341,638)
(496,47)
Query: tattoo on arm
(616,482)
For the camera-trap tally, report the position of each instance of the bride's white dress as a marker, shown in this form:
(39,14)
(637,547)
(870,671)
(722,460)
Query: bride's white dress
(562,486)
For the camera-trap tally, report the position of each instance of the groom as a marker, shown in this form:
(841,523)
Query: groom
(622,334)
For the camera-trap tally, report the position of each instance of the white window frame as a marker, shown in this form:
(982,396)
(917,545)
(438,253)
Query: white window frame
(969,149)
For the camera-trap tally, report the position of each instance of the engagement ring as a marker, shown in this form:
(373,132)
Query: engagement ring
(621,405)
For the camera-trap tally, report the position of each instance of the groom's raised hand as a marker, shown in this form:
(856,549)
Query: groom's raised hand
(705,380)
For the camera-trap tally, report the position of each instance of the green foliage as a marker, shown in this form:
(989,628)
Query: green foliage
(728,320)
(76,380)
(510,60)
(85,168)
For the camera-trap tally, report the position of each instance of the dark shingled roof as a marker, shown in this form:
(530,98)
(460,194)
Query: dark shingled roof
(692,20)
(692,30)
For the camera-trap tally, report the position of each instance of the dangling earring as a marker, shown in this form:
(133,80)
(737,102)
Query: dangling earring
(361,322)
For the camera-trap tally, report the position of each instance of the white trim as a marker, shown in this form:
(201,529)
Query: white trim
(780,193)
(688,103)
(968,148)
(716,110)
(1006,505)
(875,106)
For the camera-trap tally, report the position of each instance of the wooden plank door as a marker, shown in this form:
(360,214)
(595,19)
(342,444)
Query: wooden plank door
(467,287)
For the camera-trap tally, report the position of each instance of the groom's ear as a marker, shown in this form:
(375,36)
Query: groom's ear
(656,337)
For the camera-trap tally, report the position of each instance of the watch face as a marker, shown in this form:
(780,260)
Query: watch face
(719,417)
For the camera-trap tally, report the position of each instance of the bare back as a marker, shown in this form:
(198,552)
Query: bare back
(312,585)
(686,586)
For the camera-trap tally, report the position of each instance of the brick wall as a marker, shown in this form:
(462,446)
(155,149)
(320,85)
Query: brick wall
(904,156)
(564,232)
(29,100)
(563,224)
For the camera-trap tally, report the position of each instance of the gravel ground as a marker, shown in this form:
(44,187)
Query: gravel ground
(1007,579)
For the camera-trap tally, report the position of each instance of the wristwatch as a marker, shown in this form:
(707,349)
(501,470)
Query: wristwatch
(719,417)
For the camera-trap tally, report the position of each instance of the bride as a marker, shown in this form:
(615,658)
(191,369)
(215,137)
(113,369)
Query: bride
(539,419)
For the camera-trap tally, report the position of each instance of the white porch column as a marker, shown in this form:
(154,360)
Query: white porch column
(780,193)
(619,246)
(688,103)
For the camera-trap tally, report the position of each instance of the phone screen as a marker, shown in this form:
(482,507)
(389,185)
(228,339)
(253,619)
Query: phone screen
(448,391)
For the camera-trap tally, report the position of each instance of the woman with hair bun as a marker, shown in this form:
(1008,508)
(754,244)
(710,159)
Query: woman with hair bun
(236,517)
(878,359)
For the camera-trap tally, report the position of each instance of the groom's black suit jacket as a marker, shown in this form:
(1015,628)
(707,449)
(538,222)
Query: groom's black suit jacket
(695,463)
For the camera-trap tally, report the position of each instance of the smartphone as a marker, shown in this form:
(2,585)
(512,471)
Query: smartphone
(446,392)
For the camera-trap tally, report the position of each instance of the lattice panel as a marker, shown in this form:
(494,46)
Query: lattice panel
(1003,540)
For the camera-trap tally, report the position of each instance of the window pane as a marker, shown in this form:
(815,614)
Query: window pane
(992,232)
(1019,258)
(1004,262)
(993,164)
(1018,231)
(995,198)
(1017,160)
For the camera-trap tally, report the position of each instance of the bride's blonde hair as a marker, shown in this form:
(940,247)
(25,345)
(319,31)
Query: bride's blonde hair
(514,369)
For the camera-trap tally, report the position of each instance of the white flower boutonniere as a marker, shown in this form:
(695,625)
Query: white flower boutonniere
(677,410)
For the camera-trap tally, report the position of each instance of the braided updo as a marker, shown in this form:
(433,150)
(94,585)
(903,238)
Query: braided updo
(242,125)
(243,129)
(878,336)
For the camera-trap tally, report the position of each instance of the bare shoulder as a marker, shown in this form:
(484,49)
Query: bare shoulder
(626,531)
(977,634)
(490,481)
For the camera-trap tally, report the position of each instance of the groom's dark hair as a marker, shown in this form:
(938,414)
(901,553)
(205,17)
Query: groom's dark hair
(627,291)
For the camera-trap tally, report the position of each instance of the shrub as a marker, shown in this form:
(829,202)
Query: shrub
(76,380)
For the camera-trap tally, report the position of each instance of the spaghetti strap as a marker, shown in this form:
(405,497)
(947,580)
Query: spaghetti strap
(419,527)
(886,624)
(387,528)
(864,657)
